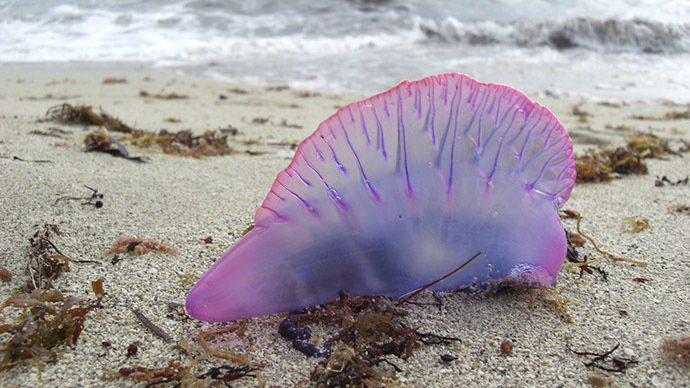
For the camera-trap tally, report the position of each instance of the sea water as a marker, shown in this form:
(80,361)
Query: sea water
(620,49)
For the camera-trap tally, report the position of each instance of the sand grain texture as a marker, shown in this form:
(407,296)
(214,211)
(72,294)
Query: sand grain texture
(181,201)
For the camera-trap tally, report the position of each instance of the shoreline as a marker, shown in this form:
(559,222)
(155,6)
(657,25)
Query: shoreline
(205,71)
(180,201)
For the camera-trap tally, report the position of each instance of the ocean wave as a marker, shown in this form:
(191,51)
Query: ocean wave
(611,35)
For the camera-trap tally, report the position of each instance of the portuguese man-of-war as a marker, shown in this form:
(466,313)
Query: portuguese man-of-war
(397,190)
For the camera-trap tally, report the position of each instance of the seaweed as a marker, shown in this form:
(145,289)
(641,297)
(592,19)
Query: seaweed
(601,360)
(241,359)
(152,326)
(181,143)
(664,180)
(648,145)
(100,141)
(237,90)
(174,372)
(582,115)
(668,116)
(17,158)
(46,262)
(599,166)
(575,240)
(447,358)
(677,349)
(52,132)
(227,373)
(114,80)
(95,199)
(615,258)
(610,104)
(84,115)
(634,225)
(346,368)
(260,120)
(679,209)
(277,88)
(138,246)
(307,94)
(367,330)
(163,96)
(620,127)
(48,318)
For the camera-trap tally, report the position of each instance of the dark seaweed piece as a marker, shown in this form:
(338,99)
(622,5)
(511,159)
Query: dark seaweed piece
(447,358)
(344,368)
(573,214)
(602,361)
(95,199)
(435,339)
(100,141)
(152,326)
(31,160)
(52,132)
(228,373)
(46,261)
(174,372)
(660,182)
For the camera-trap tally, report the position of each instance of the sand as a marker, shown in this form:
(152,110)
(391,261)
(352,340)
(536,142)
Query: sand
(181,201)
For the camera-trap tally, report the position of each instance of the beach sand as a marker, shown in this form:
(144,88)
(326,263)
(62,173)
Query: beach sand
(181,201)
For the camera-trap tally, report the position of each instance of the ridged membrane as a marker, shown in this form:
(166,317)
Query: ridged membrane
(395,191)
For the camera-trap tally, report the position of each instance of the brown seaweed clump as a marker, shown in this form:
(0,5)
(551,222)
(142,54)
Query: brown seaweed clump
(648,145)
(600,166)
(181,143)
(367,331)
(48,318)
(139,246)
(603,165)
(345,368)
(46,261)
(677,350)
(100,141)
(84,115)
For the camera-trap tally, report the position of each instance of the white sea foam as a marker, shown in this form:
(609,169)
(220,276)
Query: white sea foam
(365,45)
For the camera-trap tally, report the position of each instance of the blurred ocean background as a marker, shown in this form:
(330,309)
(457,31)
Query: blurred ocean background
(616,50)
